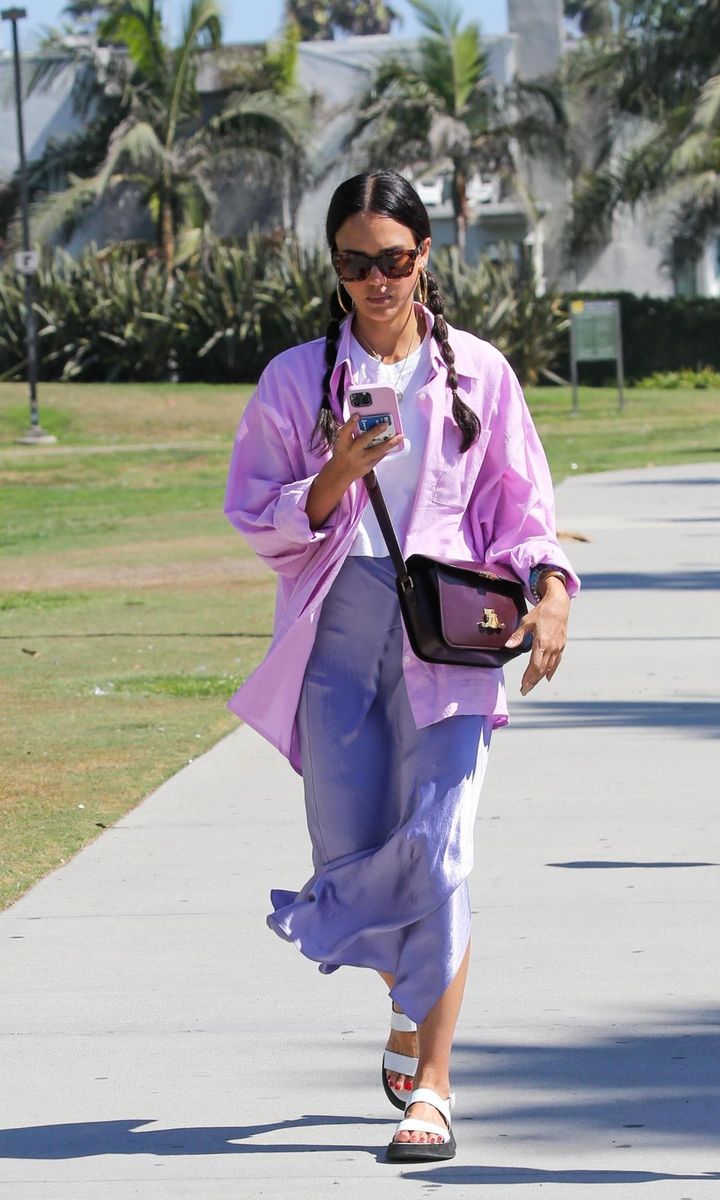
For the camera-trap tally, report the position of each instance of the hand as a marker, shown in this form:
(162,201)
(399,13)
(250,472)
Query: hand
(353,456)
(351,459)
(548,624)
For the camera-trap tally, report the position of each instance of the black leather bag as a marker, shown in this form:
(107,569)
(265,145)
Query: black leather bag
(459,613)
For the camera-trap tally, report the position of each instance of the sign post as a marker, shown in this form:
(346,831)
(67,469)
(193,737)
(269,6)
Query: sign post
(596,336)
(26,262)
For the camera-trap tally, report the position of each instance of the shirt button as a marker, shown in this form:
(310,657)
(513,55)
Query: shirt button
(407,659)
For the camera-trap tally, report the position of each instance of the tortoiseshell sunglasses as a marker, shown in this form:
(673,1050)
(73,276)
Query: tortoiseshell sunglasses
(353,267)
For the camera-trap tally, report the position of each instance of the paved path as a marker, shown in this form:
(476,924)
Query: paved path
(158,1041)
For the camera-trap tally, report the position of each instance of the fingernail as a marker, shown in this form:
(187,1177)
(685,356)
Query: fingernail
(408,1085)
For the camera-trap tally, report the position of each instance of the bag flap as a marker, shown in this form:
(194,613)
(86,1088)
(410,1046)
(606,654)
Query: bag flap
(476,609)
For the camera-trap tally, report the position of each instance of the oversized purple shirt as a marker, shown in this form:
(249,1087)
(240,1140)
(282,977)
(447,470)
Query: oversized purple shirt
(493,503)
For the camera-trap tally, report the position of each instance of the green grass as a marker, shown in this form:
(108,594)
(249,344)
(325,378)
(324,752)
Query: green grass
(130,610)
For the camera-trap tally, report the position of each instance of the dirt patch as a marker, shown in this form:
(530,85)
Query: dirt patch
(115,571)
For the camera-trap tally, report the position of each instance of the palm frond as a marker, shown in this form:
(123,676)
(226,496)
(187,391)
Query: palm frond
(441,19)
(137,25)
(250,115)
(59,213)
(202,23)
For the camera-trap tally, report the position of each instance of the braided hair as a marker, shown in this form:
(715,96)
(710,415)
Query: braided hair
(464,417)
(387,194)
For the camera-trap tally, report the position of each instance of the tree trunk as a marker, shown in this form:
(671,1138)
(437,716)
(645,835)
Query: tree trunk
(459,200)
(167,233)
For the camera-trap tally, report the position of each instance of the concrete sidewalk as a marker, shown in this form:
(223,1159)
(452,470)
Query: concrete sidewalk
(158,1041)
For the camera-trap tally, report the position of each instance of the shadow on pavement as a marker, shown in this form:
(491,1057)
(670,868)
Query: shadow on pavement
(699,717)
(616,866)
(519,1175)
(627,1085)
(83,1139)
(623,1087)
(648,581)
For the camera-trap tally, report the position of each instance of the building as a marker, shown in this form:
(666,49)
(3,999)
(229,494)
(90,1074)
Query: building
(633,258)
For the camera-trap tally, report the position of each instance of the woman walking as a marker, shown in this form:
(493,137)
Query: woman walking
(392,749)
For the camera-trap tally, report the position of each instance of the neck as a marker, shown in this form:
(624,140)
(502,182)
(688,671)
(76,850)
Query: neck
(393,339)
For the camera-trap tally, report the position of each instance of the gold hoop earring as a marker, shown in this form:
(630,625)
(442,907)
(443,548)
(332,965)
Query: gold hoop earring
(338,293)
(422,286)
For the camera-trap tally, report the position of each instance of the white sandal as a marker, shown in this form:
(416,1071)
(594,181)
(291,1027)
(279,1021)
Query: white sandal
(425,1151)
(402,1063)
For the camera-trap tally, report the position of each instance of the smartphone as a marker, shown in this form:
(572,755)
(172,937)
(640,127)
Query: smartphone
(377,406)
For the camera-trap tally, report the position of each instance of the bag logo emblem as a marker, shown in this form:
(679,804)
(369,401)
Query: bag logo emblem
(491,621)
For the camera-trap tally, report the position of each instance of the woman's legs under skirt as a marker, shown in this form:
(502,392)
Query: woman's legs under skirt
(390,808)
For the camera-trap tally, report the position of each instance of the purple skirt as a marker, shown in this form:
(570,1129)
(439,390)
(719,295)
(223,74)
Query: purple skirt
(390,808)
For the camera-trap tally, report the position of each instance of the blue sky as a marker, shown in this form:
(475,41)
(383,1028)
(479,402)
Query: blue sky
(247,21)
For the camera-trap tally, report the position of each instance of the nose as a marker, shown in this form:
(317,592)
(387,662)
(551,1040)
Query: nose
(376,275)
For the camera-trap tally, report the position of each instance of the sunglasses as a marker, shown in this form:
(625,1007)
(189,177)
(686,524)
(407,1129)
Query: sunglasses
(352,267)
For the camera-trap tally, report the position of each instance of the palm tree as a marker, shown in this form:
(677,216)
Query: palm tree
(659,78)
(320,19)
(594,16)
(159,143)
(442,106)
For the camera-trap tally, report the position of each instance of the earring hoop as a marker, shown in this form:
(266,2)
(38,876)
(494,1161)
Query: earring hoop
(422,285)
(339,294)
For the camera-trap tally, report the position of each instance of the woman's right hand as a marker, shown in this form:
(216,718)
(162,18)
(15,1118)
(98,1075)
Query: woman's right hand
(352,457)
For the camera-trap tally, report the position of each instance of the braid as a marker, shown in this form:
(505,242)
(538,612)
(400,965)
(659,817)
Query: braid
(464,417)
(326,426)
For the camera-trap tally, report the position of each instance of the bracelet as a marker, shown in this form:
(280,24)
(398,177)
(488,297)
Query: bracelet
(544,571)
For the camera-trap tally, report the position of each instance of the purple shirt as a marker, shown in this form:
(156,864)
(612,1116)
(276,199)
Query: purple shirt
(494,504)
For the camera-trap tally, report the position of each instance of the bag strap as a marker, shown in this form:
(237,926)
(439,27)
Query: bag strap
(387,528)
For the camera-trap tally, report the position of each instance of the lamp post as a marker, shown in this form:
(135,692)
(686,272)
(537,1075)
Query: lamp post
(26,260)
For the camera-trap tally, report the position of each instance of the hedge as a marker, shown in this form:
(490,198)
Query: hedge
(658,335)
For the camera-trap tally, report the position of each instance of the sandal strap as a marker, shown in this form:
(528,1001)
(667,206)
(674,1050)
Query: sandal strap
(426,1095)
(402,1063)
(412,1124)
(401,1023)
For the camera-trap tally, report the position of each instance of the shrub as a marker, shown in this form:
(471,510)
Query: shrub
(706,378)
(498,302)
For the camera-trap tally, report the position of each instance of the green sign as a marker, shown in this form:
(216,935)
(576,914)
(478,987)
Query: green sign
(595,327)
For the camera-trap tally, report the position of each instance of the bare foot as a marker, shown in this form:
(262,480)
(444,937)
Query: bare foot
(401,1043)
(422,1112)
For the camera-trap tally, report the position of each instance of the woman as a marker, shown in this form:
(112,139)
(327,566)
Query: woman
(392,749)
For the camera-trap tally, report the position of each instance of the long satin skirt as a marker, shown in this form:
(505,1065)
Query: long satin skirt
(390,808)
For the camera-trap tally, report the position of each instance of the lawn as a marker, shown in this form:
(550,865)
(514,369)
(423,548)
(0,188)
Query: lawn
(130,610)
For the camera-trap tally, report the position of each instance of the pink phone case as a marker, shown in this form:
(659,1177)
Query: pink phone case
(378,406)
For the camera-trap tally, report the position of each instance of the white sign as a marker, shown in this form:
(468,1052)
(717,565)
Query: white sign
(26,262)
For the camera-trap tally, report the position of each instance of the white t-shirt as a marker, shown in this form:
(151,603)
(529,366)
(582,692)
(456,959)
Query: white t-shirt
(398,474)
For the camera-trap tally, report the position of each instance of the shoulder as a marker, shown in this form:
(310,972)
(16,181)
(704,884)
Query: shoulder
(297,363)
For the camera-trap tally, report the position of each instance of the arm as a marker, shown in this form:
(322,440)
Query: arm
(282,512)
(268,484)
(514,512)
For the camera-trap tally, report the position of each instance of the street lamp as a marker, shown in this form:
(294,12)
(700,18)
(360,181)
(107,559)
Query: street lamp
(26,260)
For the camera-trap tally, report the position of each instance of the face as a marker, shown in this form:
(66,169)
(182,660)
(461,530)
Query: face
(377,297)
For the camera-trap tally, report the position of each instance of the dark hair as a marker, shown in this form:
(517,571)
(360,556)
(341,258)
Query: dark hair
(389,195)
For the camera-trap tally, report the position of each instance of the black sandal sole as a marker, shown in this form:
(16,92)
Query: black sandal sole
(421,1151)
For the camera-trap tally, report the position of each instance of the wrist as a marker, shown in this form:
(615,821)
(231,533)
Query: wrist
(546,579)
(553,588)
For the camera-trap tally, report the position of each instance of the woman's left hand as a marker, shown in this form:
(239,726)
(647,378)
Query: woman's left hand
(547,622)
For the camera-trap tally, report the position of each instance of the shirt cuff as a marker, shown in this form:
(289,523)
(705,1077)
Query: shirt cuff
(290,518)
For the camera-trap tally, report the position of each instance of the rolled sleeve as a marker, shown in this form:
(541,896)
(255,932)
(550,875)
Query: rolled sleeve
(290,517)
(268,485)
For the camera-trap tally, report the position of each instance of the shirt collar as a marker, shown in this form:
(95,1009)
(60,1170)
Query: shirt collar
(464,364)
